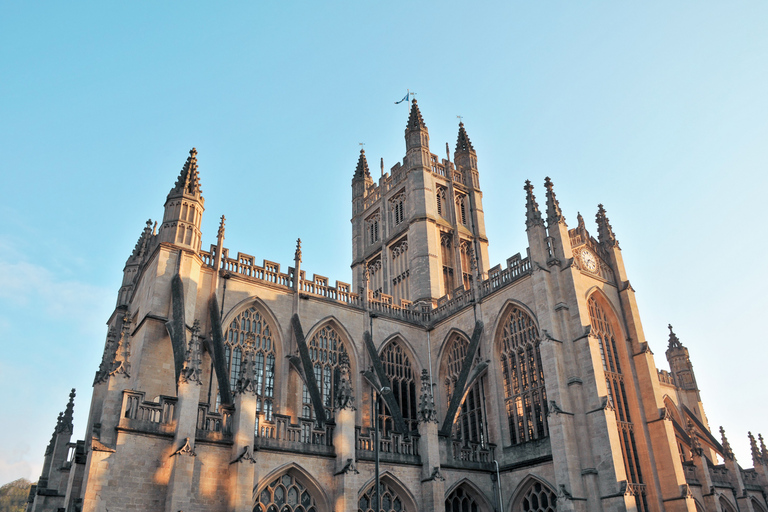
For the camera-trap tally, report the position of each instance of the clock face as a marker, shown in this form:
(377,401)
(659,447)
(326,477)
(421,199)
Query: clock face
(589,260)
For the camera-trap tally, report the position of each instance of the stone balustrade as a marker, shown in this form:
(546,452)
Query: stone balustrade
(394,447)
(151,417)
(278,432)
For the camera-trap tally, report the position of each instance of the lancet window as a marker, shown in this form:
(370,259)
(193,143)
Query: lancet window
(525,395)
(461,208)
(251,331)
(602,329)
(446,253)
(375,276)
(441,204)
(397,205)
(285,494)
(390,501)
(372,228)
(461,501)
(400,271)
(397,366)
(466,263)
(325,349)
(470,425)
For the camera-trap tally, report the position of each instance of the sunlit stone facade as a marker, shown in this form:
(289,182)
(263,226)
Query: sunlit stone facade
(228,384)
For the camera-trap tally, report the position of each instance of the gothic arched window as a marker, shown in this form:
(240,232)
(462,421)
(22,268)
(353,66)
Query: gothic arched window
(285,494)
(398,368)
(537,498)
(390,501)
(325,349)
(461,501)
(524,393)
(602,329)
(470,424)
(251,331)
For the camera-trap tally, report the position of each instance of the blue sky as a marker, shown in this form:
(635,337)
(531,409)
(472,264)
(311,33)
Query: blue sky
(658,110)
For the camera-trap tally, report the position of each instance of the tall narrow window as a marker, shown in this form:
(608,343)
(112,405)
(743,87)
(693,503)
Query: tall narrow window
(372,227)
(446,254)
(524,391)
(251,331)
(325,348)
(461,208)
(602,329)
(399,269)
(441,201)
(397,205)
(397,366)
(470,425)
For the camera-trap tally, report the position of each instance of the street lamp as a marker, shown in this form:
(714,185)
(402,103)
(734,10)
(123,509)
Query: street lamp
(378,390)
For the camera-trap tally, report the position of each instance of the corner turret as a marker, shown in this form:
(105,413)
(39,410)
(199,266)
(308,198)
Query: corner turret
(465,155)
(184,208)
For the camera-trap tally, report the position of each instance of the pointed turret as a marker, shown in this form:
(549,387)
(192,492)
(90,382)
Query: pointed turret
(532,213)
(362,170)
(416,133)
(554,213)
(763,449)
(604,230)
(727,451)
(674,341)
(66,420)
(465,155)
(680,363)
(184,208)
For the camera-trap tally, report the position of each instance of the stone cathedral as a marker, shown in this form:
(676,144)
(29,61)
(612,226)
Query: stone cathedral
(231,384)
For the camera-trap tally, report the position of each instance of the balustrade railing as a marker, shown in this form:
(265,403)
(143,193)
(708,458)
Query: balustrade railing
(395,443)
(142,415)
(214,425)
(473,451)
(279,428)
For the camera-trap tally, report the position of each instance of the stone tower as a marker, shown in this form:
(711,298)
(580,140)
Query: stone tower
(419,234)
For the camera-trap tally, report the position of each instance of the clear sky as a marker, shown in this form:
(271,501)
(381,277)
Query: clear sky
(656,109)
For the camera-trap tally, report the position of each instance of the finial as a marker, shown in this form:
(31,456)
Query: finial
(382,166)
(604,230)
(532,213)
(756,457)
(221,228)
(189,178)
(674,342)
(345,398)
(297,254)
(580,221)
(67,417)
(727,451)
(415,121)
(763,450)
(362,166)
(143,242)
(694,435)
(463,144)
(554,214)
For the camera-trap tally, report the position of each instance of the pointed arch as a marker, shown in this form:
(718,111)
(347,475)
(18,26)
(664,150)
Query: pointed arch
(275,490)
(465,493)
(726,505)
(525,397)
(759,507)
(533,494)
(328,342)
(504,310)
(398,361)
(470,425)
(251,327)
(391,485)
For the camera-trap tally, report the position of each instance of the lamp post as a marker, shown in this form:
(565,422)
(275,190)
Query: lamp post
(379,390)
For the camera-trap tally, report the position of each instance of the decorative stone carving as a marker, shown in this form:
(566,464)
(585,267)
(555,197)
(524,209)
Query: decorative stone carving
(727,451)
(554,408)
(427,412)
(756,457)
(763,450)
(297,254)
(563,494)
(345,398)
(246,455)
(186,449)
(695,442)
(554,213)
(246,380)
(349,467)
(436,475)
(121,363)
(191,370)
(107,357)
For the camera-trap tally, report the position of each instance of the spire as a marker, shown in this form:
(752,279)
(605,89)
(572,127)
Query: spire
(297,254)
(756,458)
(554,214)
(189,178)
(727,451)
(66,419)
(532,213)
(362,166)
(52,442)
(415,121)
(604,230)
(463,144)
(674,342)
(763,450)
(220,234)
(140,250)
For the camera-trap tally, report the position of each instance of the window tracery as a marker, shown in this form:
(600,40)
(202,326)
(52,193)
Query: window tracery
(466,250)
(602,329)
(440,197)
(461,208)
(285,494)
(461,501)
(525,394)
(251,331)
(390,501)
(325,349)
(538,498)
(397,366)
(446,253)
(376,276)
(470,424)
(372,228)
